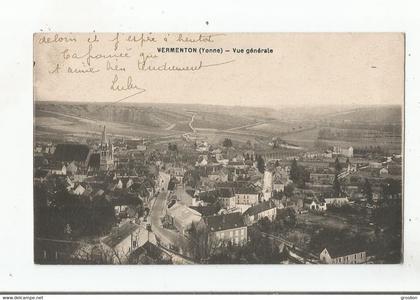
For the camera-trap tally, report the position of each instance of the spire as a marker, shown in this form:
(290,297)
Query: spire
(104,140)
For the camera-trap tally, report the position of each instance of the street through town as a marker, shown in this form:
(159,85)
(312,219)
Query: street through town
(166,236)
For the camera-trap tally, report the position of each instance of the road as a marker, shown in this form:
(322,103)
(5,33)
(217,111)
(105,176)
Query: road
(191,122)
(168,237)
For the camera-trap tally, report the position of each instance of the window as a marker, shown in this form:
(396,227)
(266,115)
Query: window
(222,235)
(231,234)
(236,232)
(134,244)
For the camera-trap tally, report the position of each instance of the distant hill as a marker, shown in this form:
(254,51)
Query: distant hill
(147,115)
(374,115)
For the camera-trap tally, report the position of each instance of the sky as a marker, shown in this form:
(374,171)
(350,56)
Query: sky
(305,69)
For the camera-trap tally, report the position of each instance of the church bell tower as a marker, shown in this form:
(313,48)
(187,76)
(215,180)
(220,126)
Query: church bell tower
(106,152)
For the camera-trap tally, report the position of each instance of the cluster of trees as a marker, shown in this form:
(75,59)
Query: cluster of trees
(298,174)
(366,189)
(192,178)
(69,216)
(285,220)
(227,143)
(330,236)
(371,150)
(259,250)
(287,192)
(336,187)
(173,147)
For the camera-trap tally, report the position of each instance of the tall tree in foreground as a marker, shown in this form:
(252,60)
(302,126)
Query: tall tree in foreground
(336,187)
(367,190)
(294,171)
(337,166)
(260,164)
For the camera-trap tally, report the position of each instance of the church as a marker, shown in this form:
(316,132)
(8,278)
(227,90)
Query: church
(84,158)
(103,158)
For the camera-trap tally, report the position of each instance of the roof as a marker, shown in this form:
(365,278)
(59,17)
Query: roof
(120,234)
(125,199)
(206,210)
(260,207)
(226,193)
(247,190)
(184,214)
(71,152)
(340,249)
(225,222)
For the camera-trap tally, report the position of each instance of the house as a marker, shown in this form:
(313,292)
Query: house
(182,217)
(178,173)
(336,201)
(342,255)
(79,190)
(247,195)
(202,147)
(260,211)
(149,254)
(215,231)
(227,198)
(126,205)
(123,241)
(278,185)
(267,186)
(294,202)
(220,176)
(315,205)
(344,151)
(383,172)
(58,168)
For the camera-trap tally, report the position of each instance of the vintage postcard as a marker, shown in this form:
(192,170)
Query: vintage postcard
(218,148)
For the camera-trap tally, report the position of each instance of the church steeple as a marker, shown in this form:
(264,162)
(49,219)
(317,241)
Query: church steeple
(106,152)
(104,140)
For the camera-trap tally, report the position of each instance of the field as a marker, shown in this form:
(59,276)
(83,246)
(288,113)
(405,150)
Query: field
(215,123)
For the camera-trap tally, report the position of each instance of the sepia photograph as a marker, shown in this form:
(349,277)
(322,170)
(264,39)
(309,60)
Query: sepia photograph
(218,148)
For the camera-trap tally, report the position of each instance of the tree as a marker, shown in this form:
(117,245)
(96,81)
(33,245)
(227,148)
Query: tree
(294,170)
(260,164)
(336,187)
(299,174)
(171,185)
(291,218)
(367,190)
(227,143)
(173,147)
(338,166)
(288,190)
(264,224)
